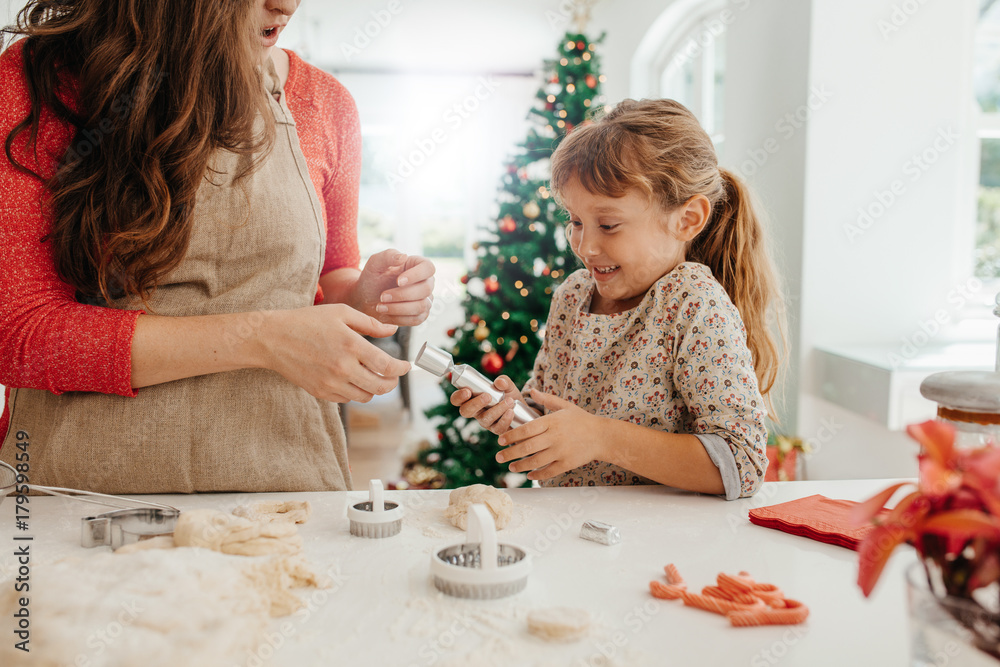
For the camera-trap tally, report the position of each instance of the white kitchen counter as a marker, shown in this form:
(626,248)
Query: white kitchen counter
(383,609)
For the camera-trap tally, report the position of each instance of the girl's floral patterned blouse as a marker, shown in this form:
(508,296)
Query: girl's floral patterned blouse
(678,362)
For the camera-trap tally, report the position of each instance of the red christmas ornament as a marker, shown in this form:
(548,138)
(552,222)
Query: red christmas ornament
(492,363)
(508,224)
(475,319)
(464,279)
(549,106)
(591,81)
(451,333)
(581,45)
(440,436)
(492,285)
(554,79)
(546,271)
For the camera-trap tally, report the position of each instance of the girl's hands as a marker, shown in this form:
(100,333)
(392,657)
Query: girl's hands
(395,288)
(322,349)
(497,418)
(565,438)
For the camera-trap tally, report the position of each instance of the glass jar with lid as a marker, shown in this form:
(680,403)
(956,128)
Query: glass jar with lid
(969,401)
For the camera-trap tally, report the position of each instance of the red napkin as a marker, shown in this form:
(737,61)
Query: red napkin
(816,517)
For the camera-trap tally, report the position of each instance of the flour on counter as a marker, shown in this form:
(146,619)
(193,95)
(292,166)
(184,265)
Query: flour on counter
(157,608)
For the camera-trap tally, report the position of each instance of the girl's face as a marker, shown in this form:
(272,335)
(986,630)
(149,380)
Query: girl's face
(274,15)
(628,243)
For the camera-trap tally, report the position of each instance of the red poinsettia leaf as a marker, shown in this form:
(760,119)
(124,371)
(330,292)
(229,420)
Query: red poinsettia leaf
(863,512)
(937,480)
(990,500)
(874,552)
(965,523)
(982,472)
(983,463)
(909,511)
(937,439)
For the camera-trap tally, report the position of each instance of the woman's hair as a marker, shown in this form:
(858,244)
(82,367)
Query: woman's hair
(658,148)
(153,88)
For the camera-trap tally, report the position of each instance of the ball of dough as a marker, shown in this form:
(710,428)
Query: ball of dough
(498,502)
(559,624)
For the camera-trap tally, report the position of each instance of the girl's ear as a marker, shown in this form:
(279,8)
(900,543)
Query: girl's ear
(691,217)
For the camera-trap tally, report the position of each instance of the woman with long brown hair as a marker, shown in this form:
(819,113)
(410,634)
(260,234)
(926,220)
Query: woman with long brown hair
(180,306)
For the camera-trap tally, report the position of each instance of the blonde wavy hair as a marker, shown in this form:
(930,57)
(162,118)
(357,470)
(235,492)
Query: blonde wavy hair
(659,148)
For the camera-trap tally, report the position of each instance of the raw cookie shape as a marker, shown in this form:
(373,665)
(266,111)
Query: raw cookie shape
(290,511)
(559,624)
(498,502)
(218,531)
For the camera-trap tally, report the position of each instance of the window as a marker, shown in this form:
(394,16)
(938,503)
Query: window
(683,57)
(987,90)
(434,147)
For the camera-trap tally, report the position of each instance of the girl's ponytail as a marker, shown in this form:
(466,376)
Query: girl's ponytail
(733,246)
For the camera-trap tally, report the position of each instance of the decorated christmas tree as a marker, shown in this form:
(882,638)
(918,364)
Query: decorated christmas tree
(522,256)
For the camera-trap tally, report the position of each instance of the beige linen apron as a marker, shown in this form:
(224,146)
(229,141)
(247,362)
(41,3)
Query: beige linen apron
(257,244)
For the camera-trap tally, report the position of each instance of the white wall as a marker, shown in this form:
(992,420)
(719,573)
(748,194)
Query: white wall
(9,9)
(767,78)
(892,97)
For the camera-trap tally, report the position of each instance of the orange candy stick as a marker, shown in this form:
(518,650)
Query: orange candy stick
(794,613)
(673,576)
(665,591)
(714,605)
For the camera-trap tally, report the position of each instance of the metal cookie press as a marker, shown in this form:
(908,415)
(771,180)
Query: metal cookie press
(437,361)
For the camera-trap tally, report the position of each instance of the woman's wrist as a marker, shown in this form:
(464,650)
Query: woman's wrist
(604,440)
(342,286)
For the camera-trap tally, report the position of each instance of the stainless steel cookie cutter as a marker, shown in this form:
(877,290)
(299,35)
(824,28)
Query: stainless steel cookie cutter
(127,524)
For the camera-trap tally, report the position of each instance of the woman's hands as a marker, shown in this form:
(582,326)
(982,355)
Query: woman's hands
(322,349)
(395,288)
(565,438)
(497,418)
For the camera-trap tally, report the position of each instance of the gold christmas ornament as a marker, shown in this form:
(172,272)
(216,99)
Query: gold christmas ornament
(532,210)
(481,333)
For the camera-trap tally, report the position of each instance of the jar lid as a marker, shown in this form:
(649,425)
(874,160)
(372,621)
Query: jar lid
(964,390)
